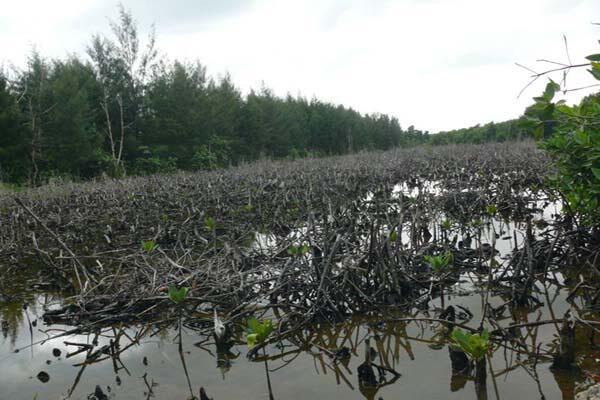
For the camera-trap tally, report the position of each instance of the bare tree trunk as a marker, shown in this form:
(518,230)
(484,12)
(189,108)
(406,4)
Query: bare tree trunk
(116,155)
(109,131)
(120,101)
(34,144)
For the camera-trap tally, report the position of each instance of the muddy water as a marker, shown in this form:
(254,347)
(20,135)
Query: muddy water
(151,367)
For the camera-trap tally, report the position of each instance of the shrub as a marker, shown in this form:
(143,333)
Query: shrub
(572,136)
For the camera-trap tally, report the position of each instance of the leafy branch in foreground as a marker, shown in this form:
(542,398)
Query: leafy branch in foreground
(572,139)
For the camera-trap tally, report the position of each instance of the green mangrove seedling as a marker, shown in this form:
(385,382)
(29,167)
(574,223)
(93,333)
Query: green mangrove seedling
(258,331)
(149,246)
(210,224)
(491,210)
(440,262)
(178,295)
(297,251)
(477,223)
(475,345)
(446,224)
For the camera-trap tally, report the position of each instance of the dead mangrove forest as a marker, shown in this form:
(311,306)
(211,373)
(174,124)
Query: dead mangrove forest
(388,239)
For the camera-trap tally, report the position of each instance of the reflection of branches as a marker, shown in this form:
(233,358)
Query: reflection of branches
(150,386)
(180,350)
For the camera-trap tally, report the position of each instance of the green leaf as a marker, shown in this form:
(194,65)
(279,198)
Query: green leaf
(252,325)
(149,246)
(474,344)
(210,224)
(538,133)
(595,73)
(593,57)
(439,262)
(178,295)
(551,89)
(258,332)
(298,250)
(304,249)
(596,172)
(581,137)
(252,339)
(446,224)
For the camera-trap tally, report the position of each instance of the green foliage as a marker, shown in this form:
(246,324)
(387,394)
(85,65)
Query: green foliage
(210,224)
(297,251)
(258,331)
(10,187)
(149,246)
(510,130)
(204,159)
(150,163)
(491,210)
(573,140)
(595,70)
(439,262)
(474,344)
(576,151)
(446,224)
(593,57)
(394,236)
(477,223)
(121,111)
(178,295)
(14,165)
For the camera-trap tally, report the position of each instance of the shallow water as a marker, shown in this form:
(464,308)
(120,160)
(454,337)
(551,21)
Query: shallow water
(415,350)
(147,363)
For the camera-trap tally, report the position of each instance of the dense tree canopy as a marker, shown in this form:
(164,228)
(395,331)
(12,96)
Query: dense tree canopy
(515,129)
(121,109)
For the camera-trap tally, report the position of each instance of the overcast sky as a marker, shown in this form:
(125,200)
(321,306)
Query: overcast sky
(436,64)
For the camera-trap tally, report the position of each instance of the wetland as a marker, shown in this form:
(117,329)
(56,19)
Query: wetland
(367,266)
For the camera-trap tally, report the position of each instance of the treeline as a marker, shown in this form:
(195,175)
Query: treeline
(511,130)
(122,109)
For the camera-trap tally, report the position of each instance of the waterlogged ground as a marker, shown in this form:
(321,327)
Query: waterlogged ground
(236,245)
(144,362)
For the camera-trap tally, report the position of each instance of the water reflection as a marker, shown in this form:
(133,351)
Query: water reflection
(323,360)
(367,357)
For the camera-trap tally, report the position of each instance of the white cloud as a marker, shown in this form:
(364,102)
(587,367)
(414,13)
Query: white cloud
(435,64)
